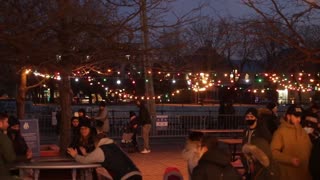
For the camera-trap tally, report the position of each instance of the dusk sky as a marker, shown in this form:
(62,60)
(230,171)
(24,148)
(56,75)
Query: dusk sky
(233,8)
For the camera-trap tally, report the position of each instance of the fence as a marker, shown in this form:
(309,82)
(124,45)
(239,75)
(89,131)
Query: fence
(171,124)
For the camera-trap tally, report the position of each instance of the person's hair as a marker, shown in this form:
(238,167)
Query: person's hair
(102,104)
(3,116)
(195,136)
(83,111)
(209,141)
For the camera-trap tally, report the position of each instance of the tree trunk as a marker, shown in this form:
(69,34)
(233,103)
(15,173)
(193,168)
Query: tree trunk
(149,89)
(21,96)
(66,111)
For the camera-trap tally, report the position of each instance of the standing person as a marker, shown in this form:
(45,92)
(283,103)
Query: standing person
(271,118)
(103,116)
(145,121)
(222,116)
(214,163)
(7,154)
(291,146)
(112,158)
(311,126)
(256,139)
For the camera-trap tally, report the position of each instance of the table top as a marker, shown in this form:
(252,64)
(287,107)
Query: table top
(231,141)
(53,159)
(55,165)
(218,130)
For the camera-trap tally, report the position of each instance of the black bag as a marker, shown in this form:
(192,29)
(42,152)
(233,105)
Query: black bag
(230,173)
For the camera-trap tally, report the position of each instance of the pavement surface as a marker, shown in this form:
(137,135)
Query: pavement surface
(162,156)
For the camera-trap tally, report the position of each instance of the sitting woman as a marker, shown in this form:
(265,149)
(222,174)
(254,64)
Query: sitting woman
(85,144)
(86,139)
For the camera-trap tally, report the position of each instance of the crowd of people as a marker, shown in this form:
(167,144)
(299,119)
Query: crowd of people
(273,148)
(89,144)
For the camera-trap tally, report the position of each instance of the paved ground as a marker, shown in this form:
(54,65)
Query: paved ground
(153,165)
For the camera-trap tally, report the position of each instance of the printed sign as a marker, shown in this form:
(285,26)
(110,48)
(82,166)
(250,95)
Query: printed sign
(30,131)
(162,122)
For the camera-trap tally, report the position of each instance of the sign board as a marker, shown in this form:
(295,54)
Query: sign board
(162,122)
(30,131)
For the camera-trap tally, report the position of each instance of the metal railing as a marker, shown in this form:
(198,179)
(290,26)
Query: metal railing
(177,125)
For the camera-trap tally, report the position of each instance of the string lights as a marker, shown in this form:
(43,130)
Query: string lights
(198,82)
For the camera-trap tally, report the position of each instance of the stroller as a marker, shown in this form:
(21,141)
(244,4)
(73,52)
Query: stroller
(127,140)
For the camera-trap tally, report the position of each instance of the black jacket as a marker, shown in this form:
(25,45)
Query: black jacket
(215,165)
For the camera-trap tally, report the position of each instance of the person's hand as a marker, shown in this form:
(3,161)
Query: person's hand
(295,162)
(29,154)
(83,150)
(72,152)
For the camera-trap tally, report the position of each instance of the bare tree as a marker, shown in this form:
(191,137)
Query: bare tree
(286,19)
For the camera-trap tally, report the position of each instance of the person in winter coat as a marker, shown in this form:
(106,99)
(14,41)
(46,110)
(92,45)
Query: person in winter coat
(291,146)
(7,154)
(214,163)
(191,151)
(103,116)
(256,139)
(311,126)
(270,116)
(112,158)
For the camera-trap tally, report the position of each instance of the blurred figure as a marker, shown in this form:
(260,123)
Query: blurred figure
(214,163)
(291,146)
(103,116)
(112,158)
(191,151)
(221,116)
(256,139)
(311,126)
(145,121)
(82,114)
(271,117)
(23,152)
(100,133)
(75,129)
(133,128)
(7,154)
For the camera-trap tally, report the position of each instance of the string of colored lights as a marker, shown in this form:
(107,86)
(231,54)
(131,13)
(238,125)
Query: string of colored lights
(199,82)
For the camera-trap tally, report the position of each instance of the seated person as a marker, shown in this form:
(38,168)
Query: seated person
(132,128)
(20,146)
(112,158)
(75,129)
(86,139)
(22,151)
(214,163)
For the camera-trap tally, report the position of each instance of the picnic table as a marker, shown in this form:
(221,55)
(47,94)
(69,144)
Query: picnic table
(53,163)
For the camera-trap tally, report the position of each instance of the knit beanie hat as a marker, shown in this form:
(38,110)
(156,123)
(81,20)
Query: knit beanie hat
(253,111)
(271,105)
